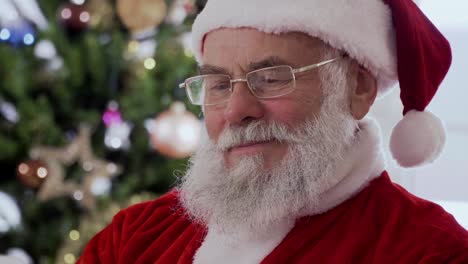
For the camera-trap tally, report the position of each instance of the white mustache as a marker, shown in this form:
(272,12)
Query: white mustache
(257,132)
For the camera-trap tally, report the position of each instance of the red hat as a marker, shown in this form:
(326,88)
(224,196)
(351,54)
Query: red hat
(393,39)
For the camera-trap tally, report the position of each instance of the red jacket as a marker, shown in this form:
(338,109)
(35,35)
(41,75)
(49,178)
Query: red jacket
(382,224)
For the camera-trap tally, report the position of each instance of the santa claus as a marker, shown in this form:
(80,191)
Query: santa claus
(290,169)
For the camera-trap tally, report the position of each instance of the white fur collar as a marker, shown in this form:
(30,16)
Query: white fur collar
(365,163)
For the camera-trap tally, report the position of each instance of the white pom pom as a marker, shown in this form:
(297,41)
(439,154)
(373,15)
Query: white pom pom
(417,139)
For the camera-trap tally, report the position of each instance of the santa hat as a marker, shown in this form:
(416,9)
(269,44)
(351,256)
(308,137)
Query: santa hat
(393,39)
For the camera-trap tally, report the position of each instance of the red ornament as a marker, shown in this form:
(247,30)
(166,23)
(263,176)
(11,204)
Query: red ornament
(32,173)
(175,132)
(75,18)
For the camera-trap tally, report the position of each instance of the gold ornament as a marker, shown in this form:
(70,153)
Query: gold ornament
(176,132)
(79,150)
(102,14)
(141,15)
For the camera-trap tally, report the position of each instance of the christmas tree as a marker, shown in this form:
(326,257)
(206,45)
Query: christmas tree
(91,116)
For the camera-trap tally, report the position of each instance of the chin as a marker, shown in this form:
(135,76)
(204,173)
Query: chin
(271,153)
(268,161)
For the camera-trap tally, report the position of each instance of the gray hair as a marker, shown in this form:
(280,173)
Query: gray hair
(335,76)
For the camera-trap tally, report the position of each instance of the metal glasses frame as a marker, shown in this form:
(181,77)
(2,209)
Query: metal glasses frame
(232,81)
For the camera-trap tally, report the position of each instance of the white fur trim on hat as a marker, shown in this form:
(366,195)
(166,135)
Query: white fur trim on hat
(362,28)
(417,139)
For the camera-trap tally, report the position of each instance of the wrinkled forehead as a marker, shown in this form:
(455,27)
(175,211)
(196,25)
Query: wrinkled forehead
(247,45)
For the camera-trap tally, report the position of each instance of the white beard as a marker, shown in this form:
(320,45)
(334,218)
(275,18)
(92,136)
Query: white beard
(248,197)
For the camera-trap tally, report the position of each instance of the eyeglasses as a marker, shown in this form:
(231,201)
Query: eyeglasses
(271,82)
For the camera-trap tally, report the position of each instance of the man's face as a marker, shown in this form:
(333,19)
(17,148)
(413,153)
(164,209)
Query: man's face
(239,51)
(295,142)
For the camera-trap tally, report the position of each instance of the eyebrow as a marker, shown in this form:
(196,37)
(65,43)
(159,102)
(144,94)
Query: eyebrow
(264,63)
(267,62)
(211,69)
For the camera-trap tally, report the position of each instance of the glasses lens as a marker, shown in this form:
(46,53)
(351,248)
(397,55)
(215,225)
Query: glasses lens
(271,82)
(208,89)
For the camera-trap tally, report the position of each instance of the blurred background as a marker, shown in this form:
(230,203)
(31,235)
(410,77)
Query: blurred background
(91,116)
(92,119)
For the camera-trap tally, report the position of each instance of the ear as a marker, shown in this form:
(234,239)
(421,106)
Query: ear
(363,94)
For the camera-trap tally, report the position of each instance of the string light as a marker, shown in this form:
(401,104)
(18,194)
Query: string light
(28,39)
(111,168)
(66,13)
(69,258)
(9,112)
(5,34)
(78,195)
(84,17)
(133,46)
(100,186)
(42,172)
(78,2)
(88,166)
(74,235)
(150,63)
(45,49)
(23,168)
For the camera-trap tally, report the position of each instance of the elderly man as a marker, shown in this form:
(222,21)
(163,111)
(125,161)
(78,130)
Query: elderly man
(290,170)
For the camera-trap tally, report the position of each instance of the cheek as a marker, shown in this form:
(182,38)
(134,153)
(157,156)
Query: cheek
(291,110)
(301,105)
(294,111)
(214,123)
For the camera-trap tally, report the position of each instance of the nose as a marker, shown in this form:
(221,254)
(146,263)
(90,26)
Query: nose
(243,107)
